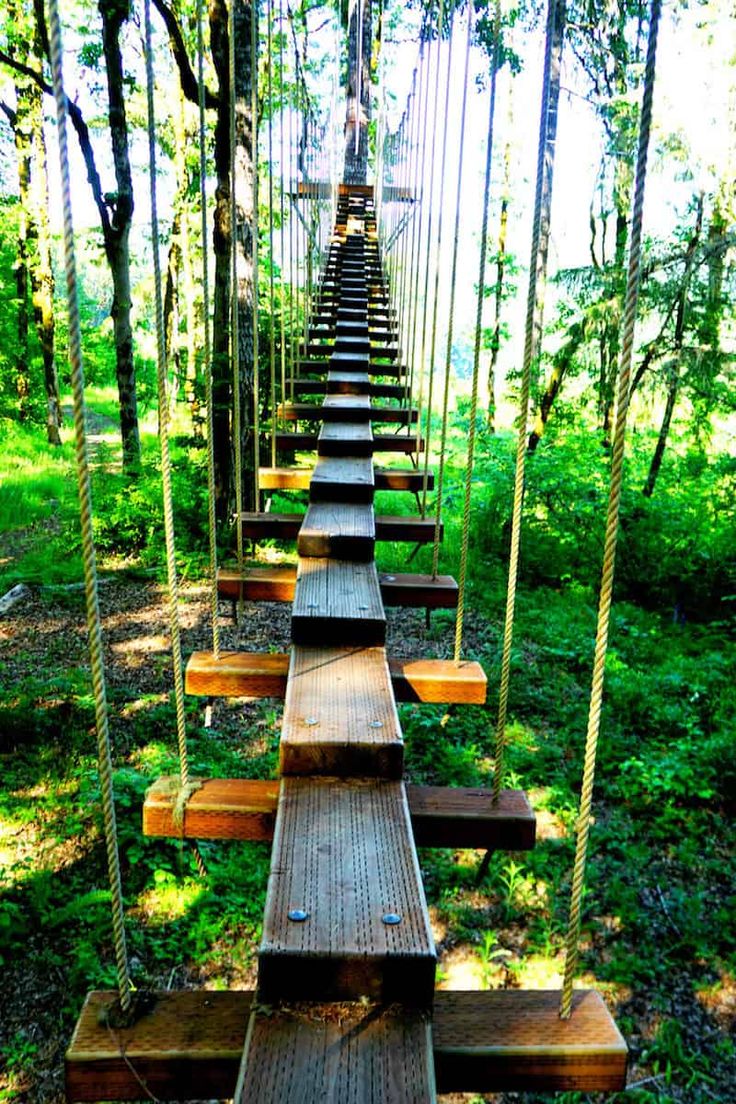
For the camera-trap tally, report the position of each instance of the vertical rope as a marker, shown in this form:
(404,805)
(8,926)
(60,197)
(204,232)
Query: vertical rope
(256,244)
(462,581)
(235,310)
(451,314)
(211,491)
(542,203)
(163,420)
(614,502)
(282,313)
(94,627)
(271,289)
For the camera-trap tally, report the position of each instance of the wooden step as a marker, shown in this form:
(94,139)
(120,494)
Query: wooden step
(343,479)
(245,809)
(340,715)
(385,479)
(380,442)
(277,583)
(418,591)
(338,530)
(272,583)
(349,409)
(363,868)
(486,1041)
(349,383)
(345,439)
(271,526)
(337,603)
(249,675)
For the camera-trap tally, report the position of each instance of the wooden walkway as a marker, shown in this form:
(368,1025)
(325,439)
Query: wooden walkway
(346,1008)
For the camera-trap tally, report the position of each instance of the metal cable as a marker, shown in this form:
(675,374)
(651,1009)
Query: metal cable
(211,490)
(94,627)
(542,202)
(451,311)
(462,581)
(614,501)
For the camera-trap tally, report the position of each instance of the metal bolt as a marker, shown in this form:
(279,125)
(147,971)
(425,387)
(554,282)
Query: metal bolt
(375,724)
(362,607)
(389,578)
(311,721)
(391,918)
(298,915)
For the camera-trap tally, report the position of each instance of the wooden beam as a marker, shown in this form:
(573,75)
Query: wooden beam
(418,591)
(286,527)
(263,675)
(245,809)
(340,530)
(385,479)
(343,852)
(343,479)
(337,602)
(188,1045)
(347,411)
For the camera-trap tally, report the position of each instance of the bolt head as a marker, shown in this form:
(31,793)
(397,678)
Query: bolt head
(298,915)
(311,721)
(391,918)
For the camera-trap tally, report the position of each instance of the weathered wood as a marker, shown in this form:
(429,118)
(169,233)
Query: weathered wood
(286,527)
(418,591)
(381,442)
(385,479)
(343,479)
(12,597)
(189,1045)
(363,868)
(349,411)
(348,383)
(337,603)
(263,675)
(245,809)
(345,439)
(272,583)
(341,530)
(413,529)
(340,715)
(439,680)
(366,1054)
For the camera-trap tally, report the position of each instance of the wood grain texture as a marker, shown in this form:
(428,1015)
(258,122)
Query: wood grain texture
(343,479)
(337,603)
(356,1053)
(441,816)
(439,680)
(236,674)
(339,530)
(402,479)
(189,1045)
(398,528)
(347,408)
(340,715)
(274,583)
(363,868)
(284,479)
(418,591)
(345,439)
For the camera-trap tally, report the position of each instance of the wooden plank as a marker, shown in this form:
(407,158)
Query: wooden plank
(343,479)
(221,808)
(337,603)
(418,591)
(348,408)
(274,583)
(345,439)
(260,675)
(352,383)
(286,527)
(363,869)
(189,1044)
(439,680)
(263,675)
(364,1054)
(385,479)
(441,816)
(341,530)
(340,715)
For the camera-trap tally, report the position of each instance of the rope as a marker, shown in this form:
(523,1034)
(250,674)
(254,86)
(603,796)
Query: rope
(235,312)
(543,197)
(460,614)
(211,491)
(420,185)
(272,328)
(451,315)
(282,313)
(254,232)
(435,301)
(94,628)
(614,501)
(163,419)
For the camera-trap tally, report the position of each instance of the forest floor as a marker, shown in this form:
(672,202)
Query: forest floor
(679,1022)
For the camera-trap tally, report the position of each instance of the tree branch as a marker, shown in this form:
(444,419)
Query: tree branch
(10,115)
(81,129)
(189,83)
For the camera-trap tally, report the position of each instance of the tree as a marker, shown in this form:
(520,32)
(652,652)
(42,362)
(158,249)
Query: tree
(358,92)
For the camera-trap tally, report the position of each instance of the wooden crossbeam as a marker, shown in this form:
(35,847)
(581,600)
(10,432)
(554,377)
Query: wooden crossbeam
(245,809)
(346,439)
(337,602)
(343,530)
(286,527)
(277,583)
(345,411)
(385,479)
(188,1045)
(363,869)
(343,479)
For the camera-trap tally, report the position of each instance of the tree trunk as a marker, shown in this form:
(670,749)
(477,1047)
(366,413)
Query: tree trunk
(171,303)
(114,14)
(186,278)
(562,362)
(23,146)
(498,292)
(664,429)
(358,93)
(42,273)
